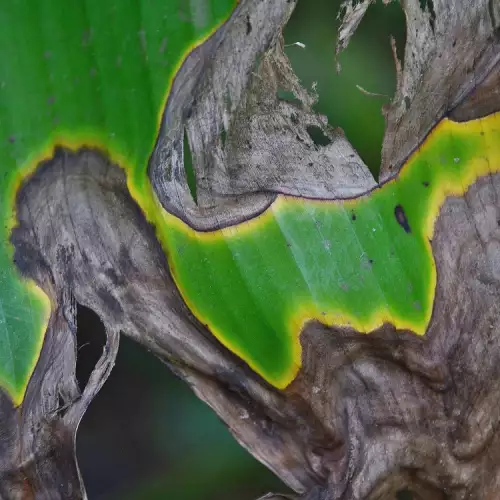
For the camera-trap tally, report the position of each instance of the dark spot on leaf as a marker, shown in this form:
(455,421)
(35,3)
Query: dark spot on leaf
(27,258)
(353,216)
(249,25)
(401,218)
(426,183)
(428,6)
(318,136)
(370,261)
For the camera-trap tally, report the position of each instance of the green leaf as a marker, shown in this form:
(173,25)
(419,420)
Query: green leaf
(355,263)
(88,72)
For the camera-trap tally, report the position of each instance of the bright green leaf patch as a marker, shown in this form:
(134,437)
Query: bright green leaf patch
(90,72)
(358,263)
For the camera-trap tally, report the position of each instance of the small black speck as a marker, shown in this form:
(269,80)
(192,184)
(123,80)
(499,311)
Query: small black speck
(310,164)
(426,183)
(370,261)
(353,216)
(400,215)
(249,25)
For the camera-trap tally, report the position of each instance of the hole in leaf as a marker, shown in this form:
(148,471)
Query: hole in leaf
(367,62)
(428,6)
(189,169)
(91,340)
(405,494)
(286,95)
(318,136)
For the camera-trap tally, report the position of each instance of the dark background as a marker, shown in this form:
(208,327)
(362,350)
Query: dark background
(145,436)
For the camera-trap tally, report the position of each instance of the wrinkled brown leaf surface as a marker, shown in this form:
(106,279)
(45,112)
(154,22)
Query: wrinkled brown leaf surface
(366,417)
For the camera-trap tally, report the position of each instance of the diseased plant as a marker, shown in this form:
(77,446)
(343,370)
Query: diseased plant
(257,275)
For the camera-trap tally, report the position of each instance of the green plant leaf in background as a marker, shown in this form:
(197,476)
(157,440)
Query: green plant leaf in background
(81,73)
